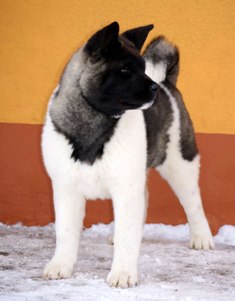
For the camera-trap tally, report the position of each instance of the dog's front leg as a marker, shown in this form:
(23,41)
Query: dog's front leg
(69,212)
(129,208)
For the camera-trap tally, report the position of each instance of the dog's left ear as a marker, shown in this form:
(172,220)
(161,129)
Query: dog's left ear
(138,35)
(103,41)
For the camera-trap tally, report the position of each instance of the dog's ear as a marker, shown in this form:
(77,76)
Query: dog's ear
(138,35)
(103,41)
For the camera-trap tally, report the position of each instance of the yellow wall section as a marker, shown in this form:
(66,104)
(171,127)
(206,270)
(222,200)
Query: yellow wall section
(38,36)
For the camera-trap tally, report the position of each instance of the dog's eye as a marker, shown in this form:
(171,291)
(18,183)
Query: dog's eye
(126,73)
(125,70)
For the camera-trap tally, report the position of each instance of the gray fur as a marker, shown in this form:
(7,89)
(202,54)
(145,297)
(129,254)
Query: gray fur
(84,127)
(158,120)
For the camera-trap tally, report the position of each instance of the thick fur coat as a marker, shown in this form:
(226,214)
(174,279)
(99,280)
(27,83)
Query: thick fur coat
(113,115)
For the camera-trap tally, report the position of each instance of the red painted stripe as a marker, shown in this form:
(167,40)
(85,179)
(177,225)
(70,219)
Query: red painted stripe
(26,196)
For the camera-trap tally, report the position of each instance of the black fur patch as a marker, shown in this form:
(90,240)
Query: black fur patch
(87,148)
(158,120)
(187,136)
(122,85)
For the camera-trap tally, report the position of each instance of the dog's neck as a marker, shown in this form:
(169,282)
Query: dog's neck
(86,129)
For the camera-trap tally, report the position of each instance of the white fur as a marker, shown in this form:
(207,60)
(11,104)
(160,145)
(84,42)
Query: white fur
(146,105)
(120,174)
(156,72)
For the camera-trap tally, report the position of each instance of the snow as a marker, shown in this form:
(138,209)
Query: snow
(168,269)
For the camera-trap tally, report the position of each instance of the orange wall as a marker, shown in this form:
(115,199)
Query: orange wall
(37,37)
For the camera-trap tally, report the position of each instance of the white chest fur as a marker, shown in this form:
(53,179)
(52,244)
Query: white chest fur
(124,157)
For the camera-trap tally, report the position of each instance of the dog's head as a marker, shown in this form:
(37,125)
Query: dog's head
(113,79)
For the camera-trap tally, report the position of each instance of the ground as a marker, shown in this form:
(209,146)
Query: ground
(168,269)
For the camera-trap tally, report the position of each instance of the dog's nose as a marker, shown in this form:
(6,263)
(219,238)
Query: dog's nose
(153,87)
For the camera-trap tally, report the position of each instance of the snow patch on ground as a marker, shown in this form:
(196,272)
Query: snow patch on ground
(226,235)
(168,269)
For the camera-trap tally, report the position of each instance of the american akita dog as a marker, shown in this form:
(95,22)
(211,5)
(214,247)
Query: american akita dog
(114,115)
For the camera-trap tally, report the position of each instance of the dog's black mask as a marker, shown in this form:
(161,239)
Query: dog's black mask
(117,80)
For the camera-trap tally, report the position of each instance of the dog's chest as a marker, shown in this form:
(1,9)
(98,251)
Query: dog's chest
(124,157)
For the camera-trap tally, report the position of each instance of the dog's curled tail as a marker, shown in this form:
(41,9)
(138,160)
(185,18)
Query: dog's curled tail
(162,60)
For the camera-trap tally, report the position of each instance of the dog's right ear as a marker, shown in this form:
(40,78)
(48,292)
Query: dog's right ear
(103,41)
(137,36)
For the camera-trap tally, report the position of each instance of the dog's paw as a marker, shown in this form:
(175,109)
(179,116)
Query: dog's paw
(202,241)
(122,279)
(57,270)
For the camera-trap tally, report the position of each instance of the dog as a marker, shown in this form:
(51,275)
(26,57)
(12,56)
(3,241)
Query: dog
(115,114)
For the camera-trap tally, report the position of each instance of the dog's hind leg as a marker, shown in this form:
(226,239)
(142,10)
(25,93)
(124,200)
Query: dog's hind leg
(181,165)
(181,171)
(182,175)
(69,213)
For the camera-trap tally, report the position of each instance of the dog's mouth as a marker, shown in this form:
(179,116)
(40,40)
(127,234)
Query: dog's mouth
(147,105)
(141,106)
